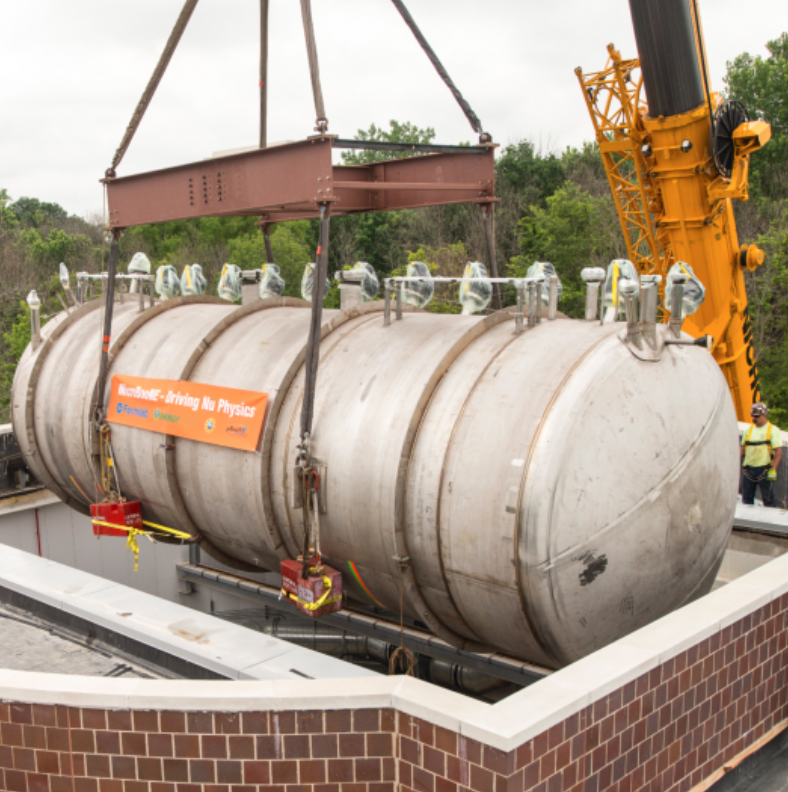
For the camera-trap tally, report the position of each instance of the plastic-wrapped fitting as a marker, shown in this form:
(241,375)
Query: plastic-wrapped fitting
(167,284)
(271,284)
(370,284)
(694,290)
(418,293)
(230,283)
(544,269)
(618,270)
(308,282)
(139,263)
(64,276)
(192,280)
(474,296)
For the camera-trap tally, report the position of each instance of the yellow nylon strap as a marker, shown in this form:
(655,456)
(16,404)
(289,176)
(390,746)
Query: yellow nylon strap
(616,273)
(311,606)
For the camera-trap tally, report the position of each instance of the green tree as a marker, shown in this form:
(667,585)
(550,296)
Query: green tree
(574,230)
(396,133)
(33,213)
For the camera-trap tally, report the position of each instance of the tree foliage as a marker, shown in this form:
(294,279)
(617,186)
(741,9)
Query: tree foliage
(396,133)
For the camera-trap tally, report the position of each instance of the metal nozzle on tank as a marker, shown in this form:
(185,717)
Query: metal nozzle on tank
(677,279)
(649,288)
(34,304)
(594,277)
(629,289)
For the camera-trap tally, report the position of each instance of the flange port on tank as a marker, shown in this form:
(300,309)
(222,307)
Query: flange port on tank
(316,595)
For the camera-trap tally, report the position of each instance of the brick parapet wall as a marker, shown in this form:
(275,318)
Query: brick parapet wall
(666,730)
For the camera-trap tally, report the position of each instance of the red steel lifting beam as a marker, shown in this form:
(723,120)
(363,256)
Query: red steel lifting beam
(291,181)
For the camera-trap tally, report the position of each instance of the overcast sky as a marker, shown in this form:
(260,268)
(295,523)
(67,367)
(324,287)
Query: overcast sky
(72,71)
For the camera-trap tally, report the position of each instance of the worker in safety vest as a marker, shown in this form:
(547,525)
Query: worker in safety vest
(761,450)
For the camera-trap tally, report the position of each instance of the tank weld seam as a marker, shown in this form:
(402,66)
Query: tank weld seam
(523,579)
(672,475)
(401,493)
(447,452)
(326,332)
(194,360)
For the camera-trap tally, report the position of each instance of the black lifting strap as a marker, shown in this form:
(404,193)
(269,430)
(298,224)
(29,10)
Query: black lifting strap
(109,304)
(313,342)
(155,79)
(476,124)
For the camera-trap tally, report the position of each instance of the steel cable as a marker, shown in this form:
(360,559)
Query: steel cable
(476,124)
(153,84)
(321,125)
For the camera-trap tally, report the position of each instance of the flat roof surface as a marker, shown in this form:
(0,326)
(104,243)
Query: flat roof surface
(32,644)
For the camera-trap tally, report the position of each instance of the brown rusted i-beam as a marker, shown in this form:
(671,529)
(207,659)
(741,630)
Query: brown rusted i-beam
(290,181)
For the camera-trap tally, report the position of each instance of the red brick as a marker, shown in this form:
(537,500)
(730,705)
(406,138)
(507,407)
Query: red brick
(325,788)
(146,721)
(11,735)
(340,771)
(34,737)
(118,720)
(202,771)
(257,772)
(96,766)
(326,746)
(241,747)
(24,759)
(43,715)
(85,785)
(434,761)
(283,722)
(338,721)
(149,769)
(173,722)
(368,770)
(309,722)
(227,723)
(270,746)
(135,786)
(405,775)
(228,771)
(446,740)
(388,721)
(160,745)
(380,745)
(47,762)
(423,781)
(91,719)
(124,767)
(458,770)
(312,771)
(158,786)
(21,713)
(284,772)
(108,785)
(5,712)
(199,722)
(410,750)
(351,745)
(6,757)
(423,732)
(389,769)
(176,770)
(469,749)
(254,723)
(187,746)
(37,782)
(297,746)
(15,781)
(213,746)
(365,720)
(404,724)
(106,741)
(133,744)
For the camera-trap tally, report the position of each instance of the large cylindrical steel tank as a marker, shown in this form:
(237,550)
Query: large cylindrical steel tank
(552,490)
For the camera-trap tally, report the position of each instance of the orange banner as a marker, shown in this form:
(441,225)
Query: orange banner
(206,413)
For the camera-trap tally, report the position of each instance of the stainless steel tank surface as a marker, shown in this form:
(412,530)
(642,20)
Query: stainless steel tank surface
(552,491)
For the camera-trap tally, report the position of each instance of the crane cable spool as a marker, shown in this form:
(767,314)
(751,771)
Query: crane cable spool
(728,117)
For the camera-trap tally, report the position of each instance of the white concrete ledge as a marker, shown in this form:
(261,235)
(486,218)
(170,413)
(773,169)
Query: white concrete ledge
(505,725)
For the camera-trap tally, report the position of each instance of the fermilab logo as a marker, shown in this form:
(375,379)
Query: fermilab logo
(136,412)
